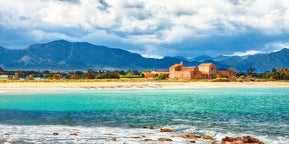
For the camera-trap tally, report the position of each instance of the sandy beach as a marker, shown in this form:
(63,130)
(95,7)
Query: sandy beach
(115,85)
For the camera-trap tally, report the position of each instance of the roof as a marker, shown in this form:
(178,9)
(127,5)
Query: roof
(176,65)
(205,64)
(188,68)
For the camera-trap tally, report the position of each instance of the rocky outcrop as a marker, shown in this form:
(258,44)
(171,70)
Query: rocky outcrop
(55,133)
(167,130)
(189,136)
(207,137)
(241,140)
(165,139)
(148,127)
(73,134)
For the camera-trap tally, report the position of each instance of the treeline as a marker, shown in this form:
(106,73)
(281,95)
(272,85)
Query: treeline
(274,74)
(229,75)
(251,75)
(90,74)
(281,74)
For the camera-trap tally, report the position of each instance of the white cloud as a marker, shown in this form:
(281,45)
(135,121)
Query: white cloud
(250,52)
(268,48)
(145,22)
(276,46)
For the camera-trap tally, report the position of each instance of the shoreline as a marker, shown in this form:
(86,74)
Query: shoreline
(134,85)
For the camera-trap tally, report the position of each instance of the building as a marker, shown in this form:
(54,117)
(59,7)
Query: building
(208,70)
(149,75)
(204,70)
(156,73)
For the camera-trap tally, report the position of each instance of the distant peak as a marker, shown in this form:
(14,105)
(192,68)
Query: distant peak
(285,49)
(60,41)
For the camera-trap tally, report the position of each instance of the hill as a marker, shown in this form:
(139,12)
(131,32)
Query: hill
(261,62)
(64,55)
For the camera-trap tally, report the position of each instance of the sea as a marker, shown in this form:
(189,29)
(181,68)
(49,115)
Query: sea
(120,115)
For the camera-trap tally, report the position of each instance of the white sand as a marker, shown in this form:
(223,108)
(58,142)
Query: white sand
(97,85)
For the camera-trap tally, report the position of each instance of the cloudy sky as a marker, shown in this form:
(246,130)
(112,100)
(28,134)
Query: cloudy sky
(152,28)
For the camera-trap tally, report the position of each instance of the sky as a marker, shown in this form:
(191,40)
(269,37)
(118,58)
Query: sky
(152,28)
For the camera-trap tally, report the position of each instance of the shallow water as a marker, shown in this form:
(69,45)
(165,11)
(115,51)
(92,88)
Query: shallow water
(32,116)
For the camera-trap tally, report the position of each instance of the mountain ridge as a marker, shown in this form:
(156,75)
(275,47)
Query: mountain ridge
(65,55)
(261,62)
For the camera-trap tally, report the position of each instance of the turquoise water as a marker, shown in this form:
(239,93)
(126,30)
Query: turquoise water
(259,112)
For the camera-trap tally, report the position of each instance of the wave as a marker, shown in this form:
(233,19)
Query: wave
(79,134)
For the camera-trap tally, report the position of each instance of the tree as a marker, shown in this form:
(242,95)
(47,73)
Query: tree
(131,74)
(1,71)
(19,74)
(162,76)
(232,71)
(268,75)
(46,72)
(74,76)
(251,71)
(56,76)
(89,75)
(283,74)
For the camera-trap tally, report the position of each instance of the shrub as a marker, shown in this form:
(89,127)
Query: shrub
(220,80)
(162,76)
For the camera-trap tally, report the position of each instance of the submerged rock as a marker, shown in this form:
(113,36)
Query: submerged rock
(207,137)
(167,130)
(113,138)
(241,140)
(55,133)
(189,136)
(136,137)
(148,140)
(148,127)
(73,134)
(6,134)
(165,139)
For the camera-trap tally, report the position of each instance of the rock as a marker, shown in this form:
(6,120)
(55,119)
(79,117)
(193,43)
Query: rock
(55,133)
(192,141)
(148,127)
(189,136)
(108,134)
(148,140)
(6,134)
(241,140)
(165,139)
(167,130)
(136,137)
(207,137)
(248,139)
(113,138)
(73,134)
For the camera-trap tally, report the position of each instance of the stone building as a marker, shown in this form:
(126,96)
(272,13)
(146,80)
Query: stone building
(204,70)
(208,70)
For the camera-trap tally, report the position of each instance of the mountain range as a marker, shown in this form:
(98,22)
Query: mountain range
(64,55)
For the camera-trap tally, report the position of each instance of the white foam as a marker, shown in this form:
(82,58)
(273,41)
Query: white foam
(44,134)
